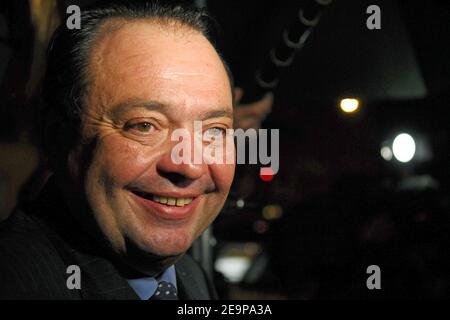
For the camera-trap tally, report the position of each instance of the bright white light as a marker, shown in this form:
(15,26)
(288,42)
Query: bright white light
(349,105)
(233,267)
(404,147)
(386,153)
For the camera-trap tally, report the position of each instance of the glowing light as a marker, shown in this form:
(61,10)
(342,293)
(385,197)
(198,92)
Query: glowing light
(349,105)
(266,174)
(404,147)
(386,153)
(233,267)
(272,212)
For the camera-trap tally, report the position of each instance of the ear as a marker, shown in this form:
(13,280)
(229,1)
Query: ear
(238,94)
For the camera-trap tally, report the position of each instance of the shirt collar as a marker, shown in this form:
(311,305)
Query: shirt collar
(146,287)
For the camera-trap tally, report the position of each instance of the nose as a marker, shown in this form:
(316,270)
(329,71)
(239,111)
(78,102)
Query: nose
(181,174)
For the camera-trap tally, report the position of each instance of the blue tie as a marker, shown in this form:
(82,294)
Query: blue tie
(165,291)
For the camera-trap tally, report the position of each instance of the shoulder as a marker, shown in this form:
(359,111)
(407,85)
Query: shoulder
(21,238)
(30,267)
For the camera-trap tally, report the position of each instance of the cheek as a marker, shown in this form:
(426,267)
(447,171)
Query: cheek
(222,175)
(121,160)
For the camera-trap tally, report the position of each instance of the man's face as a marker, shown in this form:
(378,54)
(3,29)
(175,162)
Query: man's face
(147,81)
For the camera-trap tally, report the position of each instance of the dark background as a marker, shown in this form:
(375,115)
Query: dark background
(339,205)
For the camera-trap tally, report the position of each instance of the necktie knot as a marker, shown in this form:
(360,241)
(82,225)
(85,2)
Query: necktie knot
(165,291)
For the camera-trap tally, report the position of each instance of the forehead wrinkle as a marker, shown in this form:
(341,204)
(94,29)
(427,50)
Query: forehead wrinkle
(178,75)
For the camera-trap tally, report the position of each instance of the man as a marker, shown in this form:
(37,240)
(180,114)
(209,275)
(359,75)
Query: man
(118,207)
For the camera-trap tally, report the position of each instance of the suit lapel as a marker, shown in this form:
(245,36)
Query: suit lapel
(190,280)
(101,280)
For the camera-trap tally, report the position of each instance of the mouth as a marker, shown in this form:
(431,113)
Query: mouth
(167,206)
(166,200)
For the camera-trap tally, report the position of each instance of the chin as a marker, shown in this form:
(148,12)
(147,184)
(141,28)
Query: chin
(164,243)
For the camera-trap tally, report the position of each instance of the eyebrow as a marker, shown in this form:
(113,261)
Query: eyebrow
(118,110)
(220,113)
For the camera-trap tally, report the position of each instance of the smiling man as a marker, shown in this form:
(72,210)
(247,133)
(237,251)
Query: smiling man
(118,206)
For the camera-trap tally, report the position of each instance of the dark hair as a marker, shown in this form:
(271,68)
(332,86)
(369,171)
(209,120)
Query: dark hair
(66,79)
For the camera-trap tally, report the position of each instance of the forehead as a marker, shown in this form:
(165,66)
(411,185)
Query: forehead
(150,61)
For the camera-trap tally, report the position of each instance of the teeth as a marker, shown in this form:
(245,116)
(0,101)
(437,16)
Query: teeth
(163,200)
(179,202)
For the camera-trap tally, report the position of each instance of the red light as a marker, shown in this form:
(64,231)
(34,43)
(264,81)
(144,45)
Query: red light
(266,174)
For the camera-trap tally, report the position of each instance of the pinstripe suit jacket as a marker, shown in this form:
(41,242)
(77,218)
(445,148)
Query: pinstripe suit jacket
(38,243)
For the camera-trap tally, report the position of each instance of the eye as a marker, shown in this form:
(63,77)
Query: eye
(140,127)
(216,131)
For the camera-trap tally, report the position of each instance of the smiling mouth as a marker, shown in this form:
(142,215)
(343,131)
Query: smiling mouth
(168,201)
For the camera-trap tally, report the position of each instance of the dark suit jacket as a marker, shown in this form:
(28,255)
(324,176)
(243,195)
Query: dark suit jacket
(39,242)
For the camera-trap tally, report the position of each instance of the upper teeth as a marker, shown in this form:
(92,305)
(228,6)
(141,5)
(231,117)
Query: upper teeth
(179,202)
